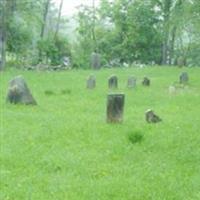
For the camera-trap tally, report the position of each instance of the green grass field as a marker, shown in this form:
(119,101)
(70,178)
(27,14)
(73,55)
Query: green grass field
(64,149)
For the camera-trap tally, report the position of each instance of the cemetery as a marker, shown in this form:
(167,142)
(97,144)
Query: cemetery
(99,100)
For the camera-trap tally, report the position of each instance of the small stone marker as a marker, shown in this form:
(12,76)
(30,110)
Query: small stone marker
(131,83)
(95,60)
(18,92)
(151,117)
(172,90)
(115,108)
(146,81)
(113,82)
(91,82)
(184,78)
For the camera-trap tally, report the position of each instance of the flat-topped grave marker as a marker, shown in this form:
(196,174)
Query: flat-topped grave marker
(131,83)
(91,82)
(115,108)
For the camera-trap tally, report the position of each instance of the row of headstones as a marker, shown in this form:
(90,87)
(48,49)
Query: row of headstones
(131,83)
(18,92)
(113,82)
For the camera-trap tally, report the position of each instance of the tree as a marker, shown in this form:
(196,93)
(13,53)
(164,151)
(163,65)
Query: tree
(58,21)
(2,34)
(44,21)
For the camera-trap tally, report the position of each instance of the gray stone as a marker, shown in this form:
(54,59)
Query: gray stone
(151,117)
(172,90)
(181,61)
(113,82)
(184,78)
(131,83)
(95,61)
(91,82)
(115,108)
(18,92)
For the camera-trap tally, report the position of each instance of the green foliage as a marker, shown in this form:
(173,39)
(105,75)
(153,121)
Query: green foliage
(124,31)
(19,37)
(135,137)
(54,49)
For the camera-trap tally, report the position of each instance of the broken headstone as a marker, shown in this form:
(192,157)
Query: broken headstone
(151,117)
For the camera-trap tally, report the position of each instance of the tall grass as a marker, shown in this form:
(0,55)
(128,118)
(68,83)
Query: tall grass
(64,149)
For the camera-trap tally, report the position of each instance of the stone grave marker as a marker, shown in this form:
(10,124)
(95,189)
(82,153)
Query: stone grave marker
(91,82)
(146,81)
(131,83)
(19,93)
(95,60)
(113,82)
(115,108)
(184,78)
(151,117)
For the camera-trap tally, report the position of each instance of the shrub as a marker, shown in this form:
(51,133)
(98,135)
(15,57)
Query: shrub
(135,137)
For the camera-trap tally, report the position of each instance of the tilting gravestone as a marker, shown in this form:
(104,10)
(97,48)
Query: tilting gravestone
(91,82)
(95,60)
(146,81)
(113,82)
(18,92)
(115,108)
(183,79)
(131,83)
(151,117)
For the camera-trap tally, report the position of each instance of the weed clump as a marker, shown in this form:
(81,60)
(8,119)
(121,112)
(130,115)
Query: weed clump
(49,92)
(67,91)
(135,137)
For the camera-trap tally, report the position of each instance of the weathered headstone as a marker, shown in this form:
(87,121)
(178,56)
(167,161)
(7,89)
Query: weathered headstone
(91,82)
(131,83)
(181,61)
(151,117)
(146,81)
(113,82)
(183,79)
(115,108)
(95,60)
(18,92)
(172,90)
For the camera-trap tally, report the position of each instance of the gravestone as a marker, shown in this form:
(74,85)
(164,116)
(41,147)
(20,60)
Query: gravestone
(151,117)
(181,61)
(18,92)
(172,90)
(113,82)
(131,83)
(183,79)
(115,108)
(146,81)
(91,82)
(95,61)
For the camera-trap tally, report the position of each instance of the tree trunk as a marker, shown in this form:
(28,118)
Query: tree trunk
(58,22)
(2,36)
(46,9)
(164,50)
(93,26)
(171,50)
(165,47)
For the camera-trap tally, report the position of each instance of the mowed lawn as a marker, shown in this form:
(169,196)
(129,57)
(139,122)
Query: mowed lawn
(63,149)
